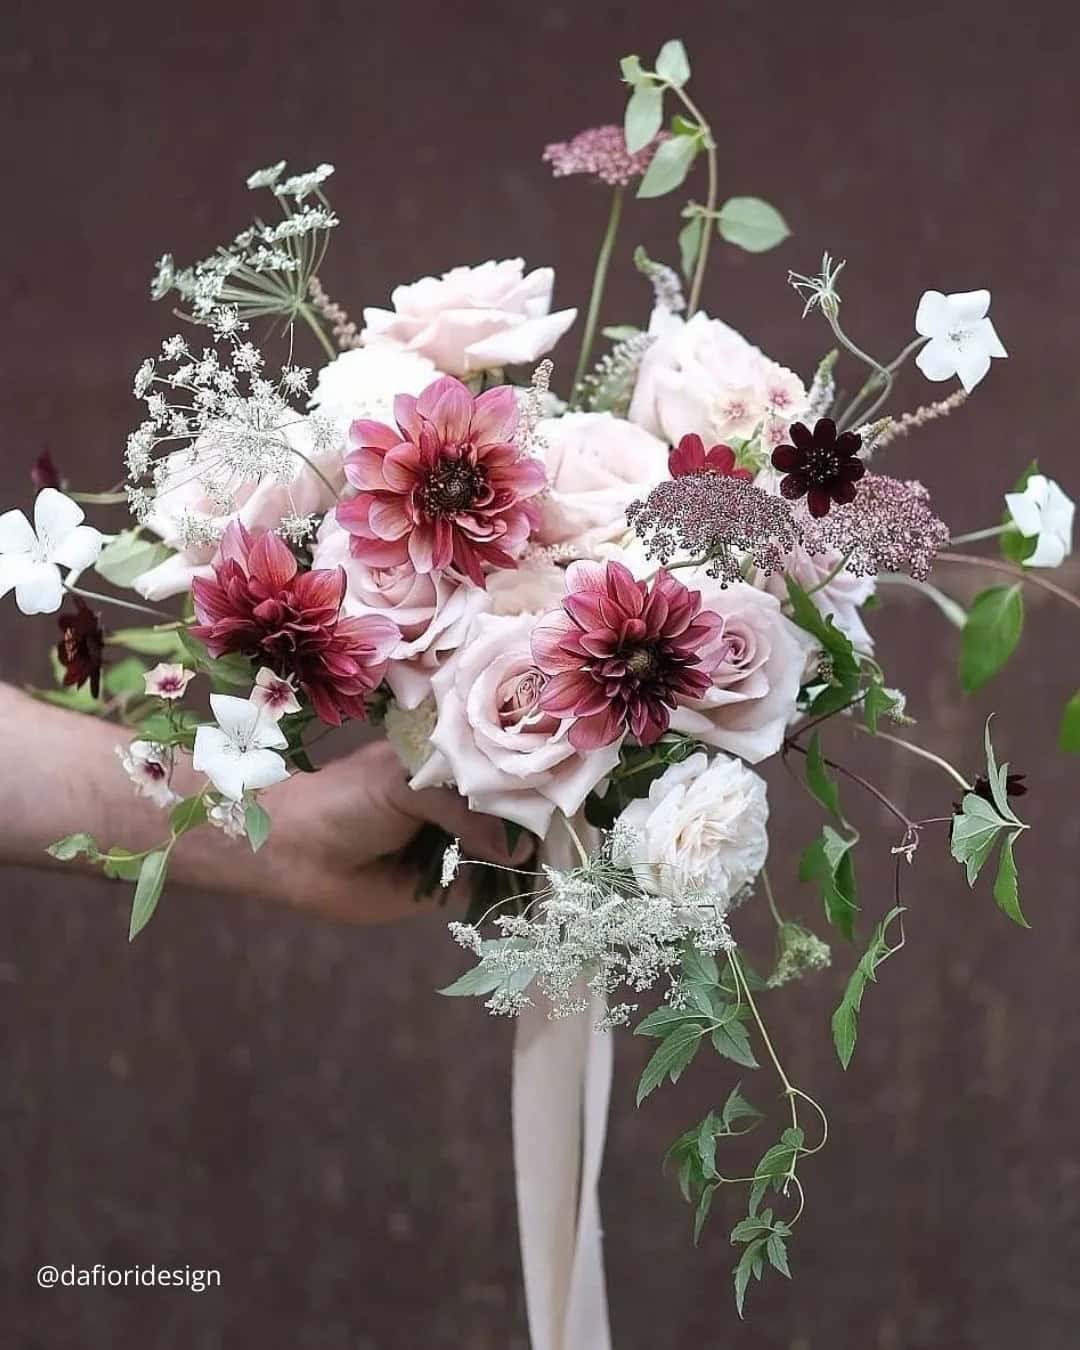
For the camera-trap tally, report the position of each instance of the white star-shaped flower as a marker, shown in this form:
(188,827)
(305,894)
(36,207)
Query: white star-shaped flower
(31,555)
(240,753)
(962,338)
(1042,510)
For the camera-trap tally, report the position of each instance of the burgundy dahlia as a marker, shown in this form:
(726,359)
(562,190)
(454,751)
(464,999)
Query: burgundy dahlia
(819,465)
(621,654)
(690,456)
(81,646)
(260,604)
(447,487)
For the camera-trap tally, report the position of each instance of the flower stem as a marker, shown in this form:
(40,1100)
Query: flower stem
(976,535)
(1017,573)
(115,600)
(603,260)
(317,328)
(99,498)
(770,898)
(942,763)
(709,214)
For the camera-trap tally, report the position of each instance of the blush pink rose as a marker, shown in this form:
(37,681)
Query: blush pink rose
(433,612)
(703,377)
(757,657)
(839,594)
(473,318)
(493,741)
(258,504)
(596,466)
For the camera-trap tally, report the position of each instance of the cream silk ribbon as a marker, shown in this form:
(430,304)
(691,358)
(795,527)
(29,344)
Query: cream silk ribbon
(562,1073)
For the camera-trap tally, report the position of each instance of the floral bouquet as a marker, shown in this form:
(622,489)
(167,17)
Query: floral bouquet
(598,613)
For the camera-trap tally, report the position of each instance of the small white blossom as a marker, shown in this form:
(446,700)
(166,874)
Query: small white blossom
(274,695)
(303,184)
(149,766)
(1043,512)
(167,680)
(240,753)
(228,816)
(450,863)
(31,555)
(962,338)
(267,177)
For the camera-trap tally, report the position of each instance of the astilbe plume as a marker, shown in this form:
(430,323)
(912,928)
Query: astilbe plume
(889,526)
(259,603)
(601,152)
(621,654)
(723,520)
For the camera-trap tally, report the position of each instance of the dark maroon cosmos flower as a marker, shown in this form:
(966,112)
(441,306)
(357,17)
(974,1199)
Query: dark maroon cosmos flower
(44,472)
(690,456)
(261,604)
(819,465)
(621,654)
(1015,786)
(81,646)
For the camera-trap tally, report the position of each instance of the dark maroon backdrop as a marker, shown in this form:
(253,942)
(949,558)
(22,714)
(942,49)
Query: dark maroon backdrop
(290,1102)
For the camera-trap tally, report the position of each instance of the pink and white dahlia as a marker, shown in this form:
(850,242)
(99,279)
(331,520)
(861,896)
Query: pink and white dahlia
(448,487)
(622,654)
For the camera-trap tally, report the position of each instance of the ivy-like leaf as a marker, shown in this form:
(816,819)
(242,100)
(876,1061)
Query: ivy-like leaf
(669,166)
(673,64)
(644,116)
(752,224)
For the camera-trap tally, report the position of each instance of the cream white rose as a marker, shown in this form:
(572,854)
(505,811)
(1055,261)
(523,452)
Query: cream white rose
(433,610)
(597,465)
(702,376)
(364,383)
(757,660)
(473,318)
(703,827)
(494,743)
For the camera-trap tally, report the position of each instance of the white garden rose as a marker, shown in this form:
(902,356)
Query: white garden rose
(703,377)
(364,383)
(473,318)
(702,828)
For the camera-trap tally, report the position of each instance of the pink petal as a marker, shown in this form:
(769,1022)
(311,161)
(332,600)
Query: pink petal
(592,733)
(495,415)
(547,639)
(271,562)
(421,548)
(387,518)
(365,434)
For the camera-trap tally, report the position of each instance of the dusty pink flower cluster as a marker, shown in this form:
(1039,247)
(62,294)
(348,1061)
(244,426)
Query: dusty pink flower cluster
(602,153)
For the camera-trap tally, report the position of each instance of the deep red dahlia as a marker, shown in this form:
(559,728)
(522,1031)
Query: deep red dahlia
(621,654)
(820,465)
(447,487)
(690,456)
(81,646)
(261,604)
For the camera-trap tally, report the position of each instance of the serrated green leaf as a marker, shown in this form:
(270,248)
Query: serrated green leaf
(828,861)
(877,703)
(74,846)
(776,1250)
(738,1108)
(644,116)
(704,1205)
(752,224)
(845,1020)
(1006,884)
(699,966)
(148,890)
(1069,733)
(257,824)
(669,1059)
(990,634)
(663,1020)
(732,1040)
(474,983)
(669,166)
(672,64)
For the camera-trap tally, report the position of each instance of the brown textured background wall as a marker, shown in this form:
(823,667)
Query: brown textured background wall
(290,1102)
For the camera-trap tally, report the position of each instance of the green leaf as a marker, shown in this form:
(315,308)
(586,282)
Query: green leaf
(845,1020)
(673,64)
(738,1108)
(690,244)
(126,677)
(148,890)
(1069,735)
(776,1250)
(817,778)
(632,70)
(699,966)
(828,861)
(644,116)
(669,166)
(744,1270)
(1006,885)
(752,224)
(837,646)
(474,983)
(704,1205)
(975,830)
(877,703)
(990,634)
(147,641)
(663,1020)
(120,864)
(257,824)
(127,557)
(188,814)
(732,1040)
(1015,546)
(669,1059)
(232,671)
(73,846)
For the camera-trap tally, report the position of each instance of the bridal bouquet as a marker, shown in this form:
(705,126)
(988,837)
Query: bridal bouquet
(603,608)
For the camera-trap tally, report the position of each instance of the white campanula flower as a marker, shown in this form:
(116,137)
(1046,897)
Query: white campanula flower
(1043,511)
(962,338)
(31,555)
(168,680)
(275,695)
(240,753)
(701,828)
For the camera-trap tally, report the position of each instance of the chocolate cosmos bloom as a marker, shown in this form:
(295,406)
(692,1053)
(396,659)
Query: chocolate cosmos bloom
(819,465)
(621,654)
(81,645)
(44,472)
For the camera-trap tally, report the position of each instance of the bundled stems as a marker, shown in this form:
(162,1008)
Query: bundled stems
(1017,573)
(709,222)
